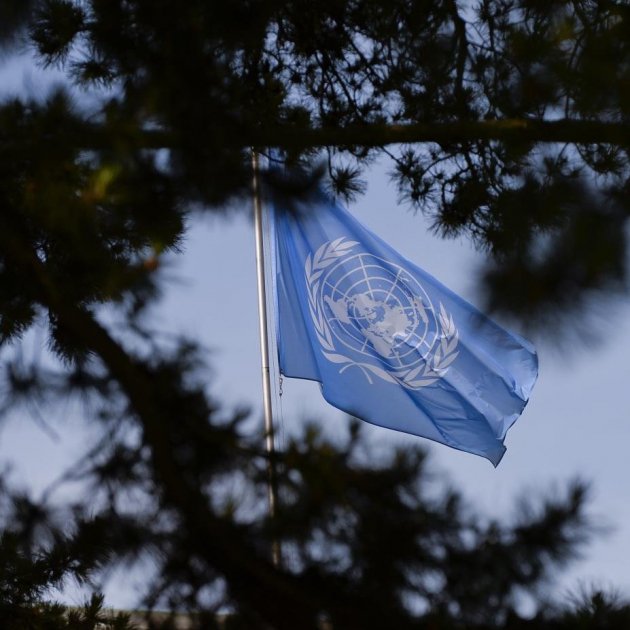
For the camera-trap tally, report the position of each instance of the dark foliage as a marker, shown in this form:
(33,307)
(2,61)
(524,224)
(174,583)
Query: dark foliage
(522,109)
(91,196)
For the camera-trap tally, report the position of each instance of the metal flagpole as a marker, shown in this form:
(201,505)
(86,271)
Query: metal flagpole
(264,352)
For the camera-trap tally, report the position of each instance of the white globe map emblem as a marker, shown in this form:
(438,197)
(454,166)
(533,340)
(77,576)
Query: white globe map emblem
(373,315)
(372,309)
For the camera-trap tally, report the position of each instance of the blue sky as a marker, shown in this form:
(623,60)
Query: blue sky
(576,424)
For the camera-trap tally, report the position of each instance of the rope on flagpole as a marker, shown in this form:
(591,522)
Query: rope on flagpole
(272,486)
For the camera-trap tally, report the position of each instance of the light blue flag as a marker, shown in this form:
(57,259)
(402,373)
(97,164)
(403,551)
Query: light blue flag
(388,343)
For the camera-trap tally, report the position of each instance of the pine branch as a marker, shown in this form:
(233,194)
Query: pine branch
(381,135)
(522,130)
(253,580)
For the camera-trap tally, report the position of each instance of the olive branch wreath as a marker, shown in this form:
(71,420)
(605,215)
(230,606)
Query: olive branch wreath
(414,378)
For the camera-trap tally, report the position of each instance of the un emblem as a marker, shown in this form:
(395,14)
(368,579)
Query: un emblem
(372,315)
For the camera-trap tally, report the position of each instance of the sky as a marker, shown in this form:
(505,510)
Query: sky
(577,423)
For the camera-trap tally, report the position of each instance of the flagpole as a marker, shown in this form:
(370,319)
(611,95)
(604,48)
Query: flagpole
(264,353)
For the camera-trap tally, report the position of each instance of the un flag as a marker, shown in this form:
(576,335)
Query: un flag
(388,343)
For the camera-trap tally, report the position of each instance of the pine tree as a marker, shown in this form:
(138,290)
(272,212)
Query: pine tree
(506,122)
